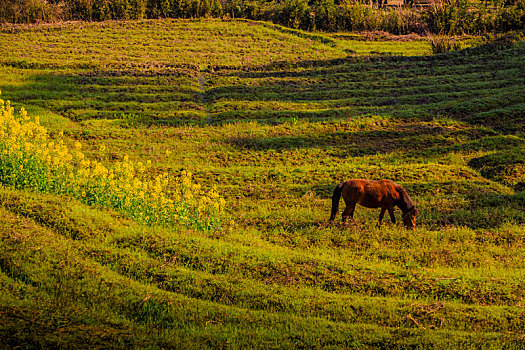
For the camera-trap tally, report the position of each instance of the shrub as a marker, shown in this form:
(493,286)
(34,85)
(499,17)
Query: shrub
(294,14)
(355,17)
(448,17)
(29,11)
(459,16)
(511,17)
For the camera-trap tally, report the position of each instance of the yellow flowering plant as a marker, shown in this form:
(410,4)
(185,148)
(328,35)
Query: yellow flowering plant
(30,159)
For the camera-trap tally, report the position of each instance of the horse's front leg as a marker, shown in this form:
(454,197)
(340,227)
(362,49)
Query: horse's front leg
(391,213)
(349,211)
(381,216)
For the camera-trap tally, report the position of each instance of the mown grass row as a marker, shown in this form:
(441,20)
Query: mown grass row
(184,99)
(159,292)
(364,137)
(152,44)
(369,254)
(419,89)
(83,79)
(275,135)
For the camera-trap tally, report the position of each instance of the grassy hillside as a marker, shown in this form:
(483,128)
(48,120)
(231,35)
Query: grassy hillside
(274,118)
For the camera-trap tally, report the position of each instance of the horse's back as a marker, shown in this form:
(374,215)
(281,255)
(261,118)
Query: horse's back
(356,183)
(371,185)
(371,193)
(356,186)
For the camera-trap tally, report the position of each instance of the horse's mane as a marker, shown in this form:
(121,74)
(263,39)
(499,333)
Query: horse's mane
(405,200)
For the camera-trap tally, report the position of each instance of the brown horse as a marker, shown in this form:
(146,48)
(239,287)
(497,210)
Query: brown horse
(384,194)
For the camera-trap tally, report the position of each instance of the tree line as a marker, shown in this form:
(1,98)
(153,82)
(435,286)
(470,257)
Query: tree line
(450,17)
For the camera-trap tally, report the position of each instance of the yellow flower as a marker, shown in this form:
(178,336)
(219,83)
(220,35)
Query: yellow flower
(169,198)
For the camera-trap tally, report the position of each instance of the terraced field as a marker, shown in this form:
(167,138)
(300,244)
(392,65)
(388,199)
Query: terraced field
(274,118)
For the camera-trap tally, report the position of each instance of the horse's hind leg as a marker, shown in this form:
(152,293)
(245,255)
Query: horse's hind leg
(349,211)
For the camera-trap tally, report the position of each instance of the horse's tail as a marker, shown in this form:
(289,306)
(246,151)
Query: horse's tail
(335,200)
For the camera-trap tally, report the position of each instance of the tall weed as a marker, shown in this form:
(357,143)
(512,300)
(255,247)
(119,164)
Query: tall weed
(443,44)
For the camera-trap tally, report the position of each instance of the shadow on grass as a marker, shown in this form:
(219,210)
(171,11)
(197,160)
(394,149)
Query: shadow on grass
(396,136)
(470,85)
(32,328)
(486,212)
(142,96)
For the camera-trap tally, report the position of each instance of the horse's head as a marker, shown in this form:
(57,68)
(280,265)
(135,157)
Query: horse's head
(409,218)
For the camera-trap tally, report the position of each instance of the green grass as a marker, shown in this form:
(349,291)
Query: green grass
(275,118)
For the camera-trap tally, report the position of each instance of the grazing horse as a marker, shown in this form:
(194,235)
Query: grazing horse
(384,194)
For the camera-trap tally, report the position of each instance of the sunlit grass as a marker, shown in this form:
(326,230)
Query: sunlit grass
(269,120)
